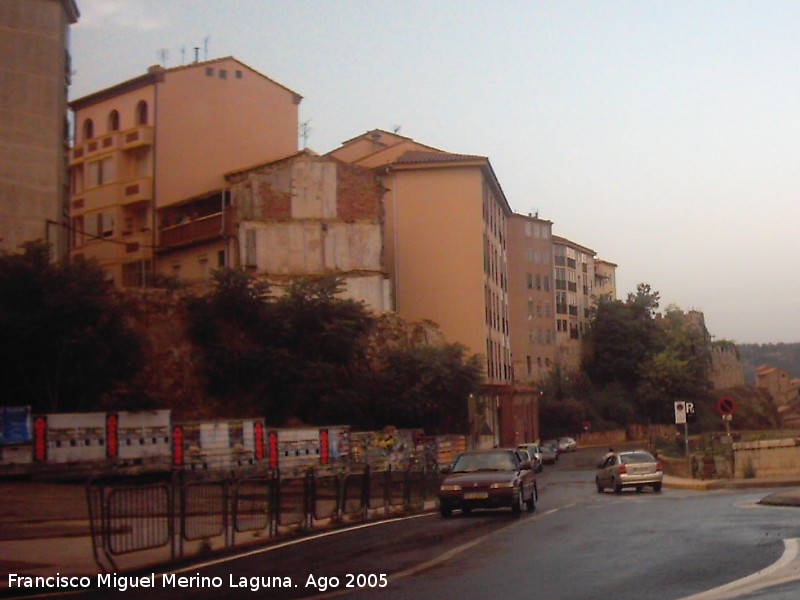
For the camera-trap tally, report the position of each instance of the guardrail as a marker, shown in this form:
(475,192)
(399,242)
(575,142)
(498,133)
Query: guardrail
(192,513)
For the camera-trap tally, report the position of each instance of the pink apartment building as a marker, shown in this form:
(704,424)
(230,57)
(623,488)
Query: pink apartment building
(446,252)
(148,163)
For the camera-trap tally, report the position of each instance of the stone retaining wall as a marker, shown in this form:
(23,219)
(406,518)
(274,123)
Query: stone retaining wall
(768,458)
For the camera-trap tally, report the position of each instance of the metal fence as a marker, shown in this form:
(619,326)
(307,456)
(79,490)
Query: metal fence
(194,512)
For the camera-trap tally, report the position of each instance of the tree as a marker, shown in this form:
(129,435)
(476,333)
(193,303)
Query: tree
(425,385)
(64,344)
(239,340)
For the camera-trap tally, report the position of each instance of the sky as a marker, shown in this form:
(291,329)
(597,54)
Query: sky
(662,135)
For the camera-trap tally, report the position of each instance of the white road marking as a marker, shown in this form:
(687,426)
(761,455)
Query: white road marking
(445,556)
(764,578)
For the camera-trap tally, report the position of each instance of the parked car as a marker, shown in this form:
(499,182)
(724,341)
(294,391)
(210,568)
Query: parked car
(567,444)
(634,468)
(493,478)
(535,454)
(549,454)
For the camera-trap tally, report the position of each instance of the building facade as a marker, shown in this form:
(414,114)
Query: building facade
(148,163)
(35,68)
(605,280)
(447,256)
(308,215)
(573,275)
(531,297)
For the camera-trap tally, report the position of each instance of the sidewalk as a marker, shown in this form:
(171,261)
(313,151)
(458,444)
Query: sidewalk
(44,527)
(786,497)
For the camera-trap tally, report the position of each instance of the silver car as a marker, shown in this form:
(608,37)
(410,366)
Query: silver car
(631,469)
(535,454)
(567,444)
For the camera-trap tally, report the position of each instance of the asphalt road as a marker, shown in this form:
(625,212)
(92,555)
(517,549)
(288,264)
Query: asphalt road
(578,544)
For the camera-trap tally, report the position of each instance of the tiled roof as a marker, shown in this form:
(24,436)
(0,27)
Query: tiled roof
(421,157)
(154,73)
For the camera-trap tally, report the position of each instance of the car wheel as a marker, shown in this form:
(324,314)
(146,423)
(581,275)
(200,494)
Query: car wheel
(617,486)
(516,505)
(656,487)
(446,511)
(600,487)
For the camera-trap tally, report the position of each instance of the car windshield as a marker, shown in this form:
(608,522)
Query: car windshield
(488,461)
(636,457)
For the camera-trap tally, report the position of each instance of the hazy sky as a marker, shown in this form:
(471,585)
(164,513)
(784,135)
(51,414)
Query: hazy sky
(663,135)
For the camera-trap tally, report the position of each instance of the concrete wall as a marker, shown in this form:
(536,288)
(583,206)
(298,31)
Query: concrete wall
(768,458)
(309,215)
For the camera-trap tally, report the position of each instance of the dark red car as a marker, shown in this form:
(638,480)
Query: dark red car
(488,479)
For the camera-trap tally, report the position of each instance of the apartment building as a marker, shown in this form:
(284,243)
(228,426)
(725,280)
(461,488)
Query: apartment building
(605,280)
(35,70)
(574,275)
(531,297)
(308,215)
(148,164)
(446,253)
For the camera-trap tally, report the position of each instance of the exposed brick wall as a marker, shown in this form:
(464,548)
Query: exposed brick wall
(275,200)
(359,194)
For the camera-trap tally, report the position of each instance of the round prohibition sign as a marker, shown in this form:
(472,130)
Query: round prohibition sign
(726,405)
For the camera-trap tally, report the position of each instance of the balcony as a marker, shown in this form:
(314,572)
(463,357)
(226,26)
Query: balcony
(139,190)
(138,136)
(124,193)
(197,230)
(142,135)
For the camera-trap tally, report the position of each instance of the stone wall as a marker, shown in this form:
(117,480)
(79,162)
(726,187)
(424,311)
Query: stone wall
(768,458)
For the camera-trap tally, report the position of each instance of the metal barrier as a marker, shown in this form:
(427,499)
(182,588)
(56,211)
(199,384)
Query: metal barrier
(196,512)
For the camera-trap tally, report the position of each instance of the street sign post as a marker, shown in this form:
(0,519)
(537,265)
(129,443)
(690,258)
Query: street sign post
(725,407)
(684,411)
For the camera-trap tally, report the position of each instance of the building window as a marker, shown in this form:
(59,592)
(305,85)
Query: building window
(113,121)
(529,277)
(141,113)
(223,74)
(209,71)
(100,225)
(528,360)
(238,74)
(101,172)
(88,129)
(221,259)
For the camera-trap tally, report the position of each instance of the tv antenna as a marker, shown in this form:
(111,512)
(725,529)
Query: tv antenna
(205,46)
(163,56)
(305,131)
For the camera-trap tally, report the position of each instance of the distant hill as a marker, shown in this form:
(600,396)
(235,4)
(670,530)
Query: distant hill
(782,356)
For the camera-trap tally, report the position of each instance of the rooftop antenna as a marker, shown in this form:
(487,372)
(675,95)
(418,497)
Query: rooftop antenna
(305,130)
(196,53)
(396,128)
(183,55)
(205,47)
(163,56)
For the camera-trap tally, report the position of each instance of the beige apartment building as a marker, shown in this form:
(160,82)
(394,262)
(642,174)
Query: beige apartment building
(447,256)
(605,280)
(35,70)
(148,164)
(574,275)
(531,297)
